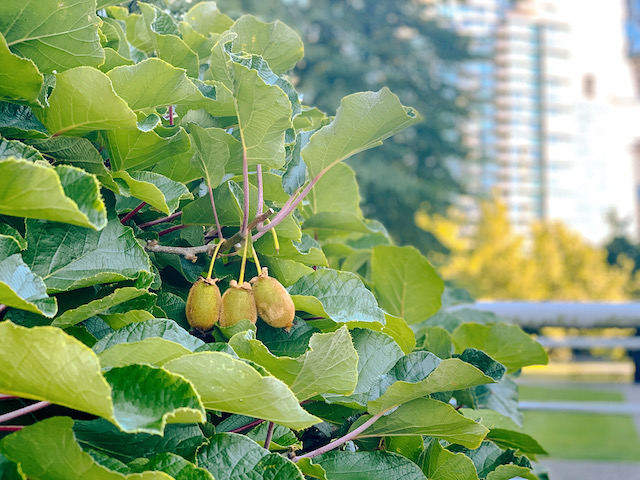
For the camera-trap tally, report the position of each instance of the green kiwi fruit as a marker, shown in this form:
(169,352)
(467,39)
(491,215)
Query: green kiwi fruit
(237,304)
(273,302)
(203,304)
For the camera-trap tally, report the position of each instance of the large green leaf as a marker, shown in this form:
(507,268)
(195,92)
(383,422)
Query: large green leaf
(214,148)
(425,416)
(405,283)
(440,464)
(48,451)
(164,36)
(230,385)
(83,100)
(489,457)
(363,121)
(340,296)
(174,465)
(20,288)
(95,307)
(377,353)
(420,374)
(10,470)
(137,150)
(377,465)
(55,34)
(507,472)
(205,18)
(69,257)
(20,121)
(278,44)
(229,456)
(153,351)
(63,194)
(158,328)
(20,79)
(337,191)
(100,435)
(398,329)
(136,398)
(17,149)
(155,83)
(155,189)
(329,366)
(508,344)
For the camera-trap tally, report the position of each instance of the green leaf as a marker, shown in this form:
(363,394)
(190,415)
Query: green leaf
(121,319)
(377,353)
(83,100)
(161,328)
(291,344)
(307,251)
(63,194)
(340,296)
(410,446)
(425,416)
(154,83)
(56,35)
(420,374)
(105,437)
(506,472)
(20,79)
(138,150)
(329,366)
(10,470)
(231,385)
(398,329)
(488,457)
(176,466)
(153,351)
(163,33)
(335,223)
(362,122)
(439,463)
(508,344)
(405,283)
(29,355)
(311,470)
(282,437)
(229,456)
(17,149)
(286,271)
(278,44)
(20,121)
(214,148)
(146,398)
(48,451)
(205,18)
(69,257)
(95,307)
(501,397)
(435,340)
(21,288)
(377,465)
(154,189)
(337,191)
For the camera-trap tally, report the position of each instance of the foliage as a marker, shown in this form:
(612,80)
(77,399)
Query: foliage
(351,44)
(555,264)
(137,144)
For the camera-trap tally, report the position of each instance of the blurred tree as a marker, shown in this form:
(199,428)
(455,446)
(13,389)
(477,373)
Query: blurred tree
(555,264)
(355,45)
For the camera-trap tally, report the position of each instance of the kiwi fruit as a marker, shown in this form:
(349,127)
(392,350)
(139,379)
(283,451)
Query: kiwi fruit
(273,302)
(237,304)
(203,304)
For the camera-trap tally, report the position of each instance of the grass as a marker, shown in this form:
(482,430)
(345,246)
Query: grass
(576,435)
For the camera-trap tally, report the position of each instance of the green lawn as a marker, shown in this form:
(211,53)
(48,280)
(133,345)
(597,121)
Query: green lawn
(573,435)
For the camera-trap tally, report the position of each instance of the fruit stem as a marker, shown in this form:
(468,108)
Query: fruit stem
(244,261)
(160,220)
(267,441)
(213,206)
(132,213)
(245,186)
(214,256)
(274,234)
(256,260)
(23,411)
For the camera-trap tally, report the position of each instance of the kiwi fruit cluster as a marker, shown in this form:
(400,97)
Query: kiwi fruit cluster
(263,296)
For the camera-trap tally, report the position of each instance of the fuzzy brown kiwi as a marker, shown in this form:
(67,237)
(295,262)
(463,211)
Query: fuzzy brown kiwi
(237,304)
(203,304)
(273,302)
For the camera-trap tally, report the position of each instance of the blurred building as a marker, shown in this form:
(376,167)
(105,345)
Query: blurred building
(633,52)
(547,139)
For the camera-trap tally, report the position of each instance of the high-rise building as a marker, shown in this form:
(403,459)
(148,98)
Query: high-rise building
(546,139)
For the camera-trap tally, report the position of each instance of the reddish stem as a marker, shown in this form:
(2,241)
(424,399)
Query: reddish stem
(215,212)
(7,397)
(132,213)
(267,441)
(172,229)
(260,192)
(160,220)
(245,186)
(171,115)
(247,426)
(23,411)
(2,307)
(11,428)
